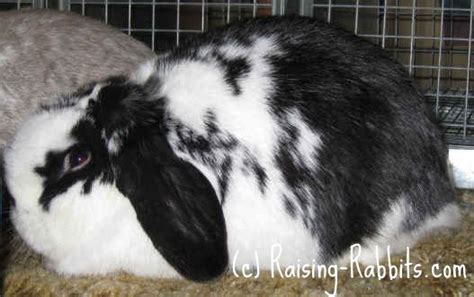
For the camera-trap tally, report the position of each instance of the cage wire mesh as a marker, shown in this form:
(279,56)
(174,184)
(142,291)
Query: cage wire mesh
(431,38)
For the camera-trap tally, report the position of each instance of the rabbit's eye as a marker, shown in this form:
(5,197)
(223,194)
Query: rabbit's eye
(77,159)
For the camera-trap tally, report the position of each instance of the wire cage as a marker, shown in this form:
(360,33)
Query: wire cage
(431,38)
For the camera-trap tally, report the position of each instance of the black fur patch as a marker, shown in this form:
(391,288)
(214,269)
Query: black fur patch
(234,69)
(252,166)
(206,147)
(223,177)
(175,204)
(290,207)
(261,175)
(121,106)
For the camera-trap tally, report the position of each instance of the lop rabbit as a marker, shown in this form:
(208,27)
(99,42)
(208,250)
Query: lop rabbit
(274,132)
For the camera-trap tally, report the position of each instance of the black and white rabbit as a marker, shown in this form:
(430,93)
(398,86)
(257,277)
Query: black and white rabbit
(274,131)
(44,53)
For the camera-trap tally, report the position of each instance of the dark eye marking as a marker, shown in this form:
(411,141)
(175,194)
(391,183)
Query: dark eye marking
(59,164)
(53,166)
(64,169)
(52,173)
(85,161)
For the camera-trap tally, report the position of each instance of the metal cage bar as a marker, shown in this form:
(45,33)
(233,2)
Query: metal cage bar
(468,72)
(440,55)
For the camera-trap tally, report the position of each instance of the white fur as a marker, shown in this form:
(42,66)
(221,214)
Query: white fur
(96,233)
(113,145)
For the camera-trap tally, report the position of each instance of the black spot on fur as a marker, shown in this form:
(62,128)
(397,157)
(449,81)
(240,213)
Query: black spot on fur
(252,168)
(295,170)
(261,176)
(225,169)
(298,176)
(196,145)
(290,207)
(204,147)
(234,69)
(211,123)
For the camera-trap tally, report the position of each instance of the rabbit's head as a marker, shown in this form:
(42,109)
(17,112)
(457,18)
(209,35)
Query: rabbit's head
(97,188)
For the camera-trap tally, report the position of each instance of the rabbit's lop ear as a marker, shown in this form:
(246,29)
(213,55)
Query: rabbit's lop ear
(177,207)
(175,203)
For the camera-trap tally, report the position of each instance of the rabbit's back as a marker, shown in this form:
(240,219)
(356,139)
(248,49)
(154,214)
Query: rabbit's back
(331,130)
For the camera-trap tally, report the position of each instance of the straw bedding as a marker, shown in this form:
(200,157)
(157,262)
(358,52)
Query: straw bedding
(25,276)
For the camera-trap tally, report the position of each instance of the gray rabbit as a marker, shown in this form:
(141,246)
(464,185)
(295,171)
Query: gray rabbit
(46,52)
